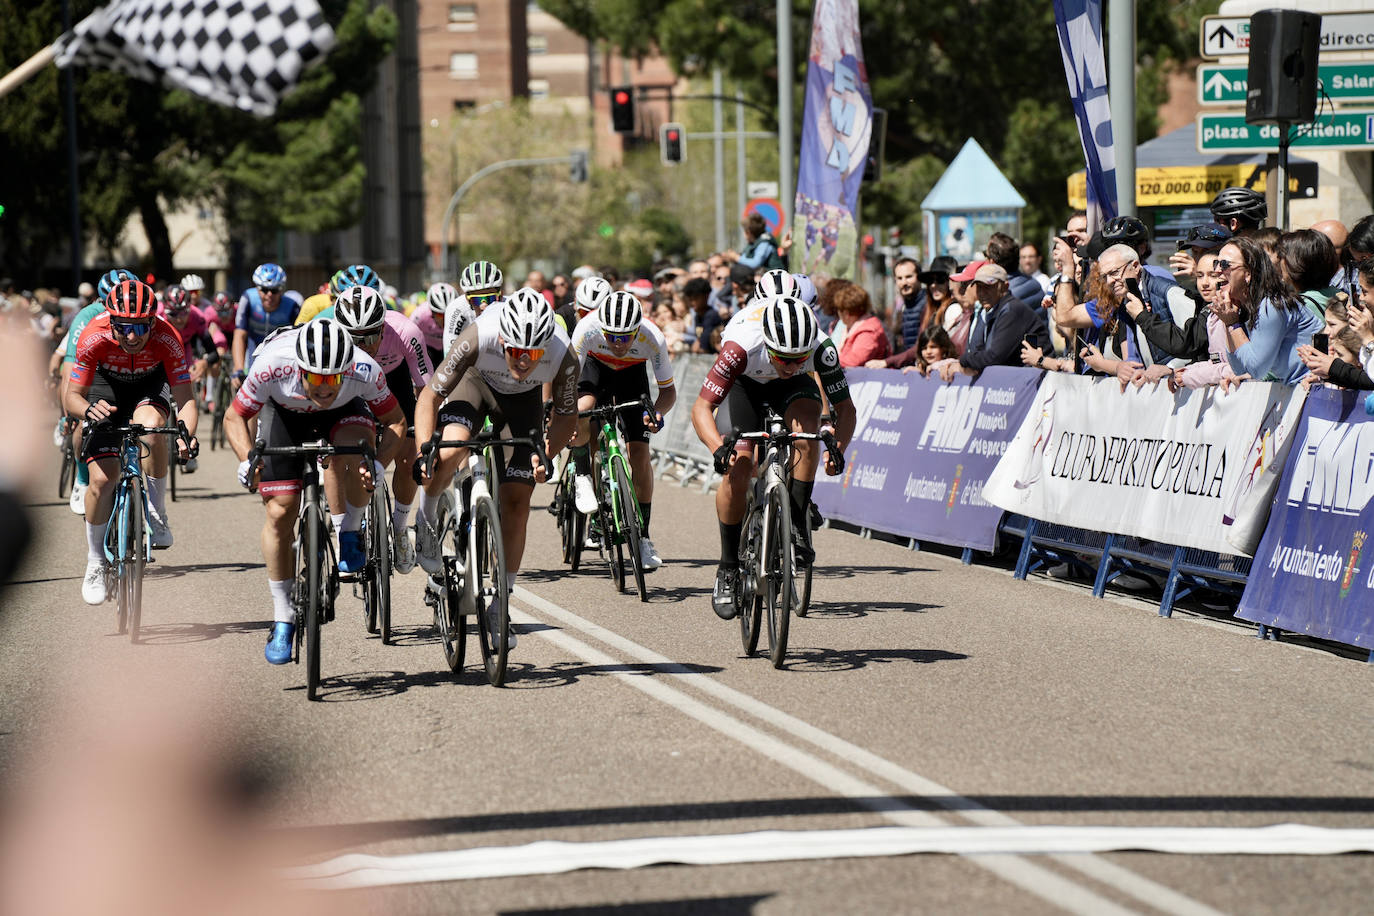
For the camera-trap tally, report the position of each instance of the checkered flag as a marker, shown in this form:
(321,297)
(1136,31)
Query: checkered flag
(241,53)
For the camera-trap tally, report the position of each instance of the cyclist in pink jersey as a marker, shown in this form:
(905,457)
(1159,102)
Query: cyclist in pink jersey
(429,318)
(398,346)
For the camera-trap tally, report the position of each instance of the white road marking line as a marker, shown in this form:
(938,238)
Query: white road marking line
(556,857)
(1128,882)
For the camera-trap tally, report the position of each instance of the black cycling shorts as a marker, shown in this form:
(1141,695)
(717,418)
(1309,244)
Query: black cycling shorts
(101,441)
(616,386)
(512,416)
(279,427)
(401,385)
(744,407)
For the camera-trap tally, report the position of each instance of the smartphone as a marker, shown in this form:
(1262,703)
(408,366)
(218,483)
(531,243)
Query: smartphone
(1133,287)
(1320,341)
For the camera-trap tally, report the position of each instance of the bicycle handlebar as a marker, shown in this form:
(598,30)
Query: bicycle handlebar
(425,462)
(608,410)
(305,450)
(826,437)
(138,430)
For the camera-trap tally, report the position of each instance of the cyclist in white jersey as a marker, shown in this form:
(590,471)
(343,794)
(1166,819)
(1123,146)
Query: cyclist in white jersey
(613,344)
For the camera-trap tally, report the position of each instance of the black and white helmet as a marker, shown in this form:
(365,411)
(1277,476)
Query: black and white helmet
(526,319)
(789,326)
(776,282)
(324,346)
(590,292)
(360,309)
(619,313)
(481,275)
(192,283)
(1243,203)
(440,297)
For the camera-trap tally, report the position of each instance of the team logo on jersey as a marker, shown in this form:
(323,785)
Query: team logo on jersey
(829,358)
(362,371)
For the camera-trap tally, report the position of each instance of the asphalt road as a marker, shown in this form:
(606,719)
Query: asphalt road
(919,693)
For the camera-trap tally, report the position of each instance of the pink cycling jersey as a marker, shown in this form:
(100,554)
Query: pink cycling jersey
(402,342)
(431,325)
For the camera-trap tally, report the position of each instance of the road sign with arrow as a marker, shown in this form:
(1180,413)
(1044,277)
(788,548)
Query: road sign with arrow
(1221,36)
(1218,84)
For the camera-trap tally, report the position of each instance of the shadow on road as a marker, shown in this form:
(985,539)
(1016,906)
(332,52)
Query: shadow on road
(423,635)
(45,581)
(850,659)
(172,634)
(687,906)
(159,571)
(837,610)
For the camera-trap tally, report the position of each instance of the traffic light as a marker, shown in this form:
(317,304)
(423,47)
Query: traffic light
(623,110)
(672,143)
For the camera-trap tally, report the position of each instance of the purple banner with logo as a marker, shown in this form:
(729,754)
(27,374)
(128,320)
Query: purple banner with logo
(836,128)
(1312,573)
(922,450)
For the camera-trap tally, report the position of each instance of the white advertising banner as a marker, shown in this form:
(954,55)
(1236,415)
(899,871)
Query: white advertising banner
(1175,468)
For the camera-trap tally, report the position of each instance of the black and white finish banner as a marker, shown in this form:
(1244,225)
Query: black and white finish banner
(1176,468)
(243,53)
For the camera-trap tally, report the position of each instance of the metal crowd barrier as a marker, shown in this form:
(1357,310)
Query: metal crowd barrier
(675,448)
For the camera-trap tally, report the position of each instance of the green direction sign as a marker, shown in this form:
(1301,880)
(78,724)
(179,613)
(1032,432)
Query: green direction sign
(1350,128)
(1344,82)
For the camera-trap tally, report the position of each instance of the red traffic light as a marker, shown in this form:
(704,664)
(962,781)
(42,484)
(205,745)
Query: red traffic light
(622,97)
(672,135)
(868,239)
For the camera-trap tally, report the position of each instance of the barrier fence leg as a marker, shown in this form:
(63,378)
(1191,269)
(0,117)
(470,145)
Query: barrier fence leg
(1104,567)
(1023,561)
(1166,604)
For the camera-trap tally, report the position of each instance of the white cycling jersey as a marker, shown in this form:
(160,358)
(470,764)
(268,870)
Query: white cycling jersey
(649,346)
(745,331)
(275,376)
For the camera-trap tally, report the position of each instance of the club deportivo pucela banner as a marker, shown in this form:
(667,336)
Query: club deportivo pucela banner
(1312,573)
(922,450)
(1144,462)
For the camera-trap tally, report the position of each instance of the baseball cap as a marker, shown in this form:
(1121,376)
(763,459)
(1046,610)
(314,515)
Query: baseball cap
(965,275)
(641,288)
(742,275)
(990,273)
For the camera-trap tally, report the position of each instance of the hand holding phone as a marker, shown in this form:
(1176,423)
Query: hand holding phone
(1321,341)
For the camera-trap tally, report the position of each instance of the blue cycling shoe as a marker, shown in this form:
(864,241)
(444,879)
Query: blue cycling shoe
(351,556)
(278,650)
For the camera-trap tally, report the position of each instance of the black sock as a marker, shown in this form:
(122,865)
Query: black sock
(729,544)
(579,455)
(800,491)
(644,509)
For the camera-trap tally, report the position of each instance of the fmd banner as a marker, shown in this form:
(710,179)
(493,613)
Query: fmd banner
(922,450)
(1312,573)
(836,129)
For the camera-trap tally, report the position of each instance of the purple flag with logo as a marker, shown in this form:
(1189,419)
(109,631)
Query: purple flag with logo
(1080,41)
(836,128)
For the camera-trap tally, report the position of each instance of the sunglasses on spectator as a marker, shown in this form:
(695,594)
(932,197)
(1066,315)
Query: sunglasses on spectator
(929,277)
(368,340)
(1220,265)
(136,328)
(326,381)
(617,340)
(533,354)
(787,360)
(269,289)
(483,298)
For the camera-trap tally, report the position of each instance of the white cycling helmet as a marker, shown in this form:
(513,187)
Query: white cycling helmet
(480,275)
(440,297)
(360,310)
(192,283)
(620,313)
(806,290)
(590,292)
(776,282)
(526,319)
(324,346)
(789,326)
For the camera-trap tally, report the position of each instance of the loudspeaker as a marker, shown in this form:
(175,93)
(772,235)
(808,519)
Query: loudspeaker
(1283,66)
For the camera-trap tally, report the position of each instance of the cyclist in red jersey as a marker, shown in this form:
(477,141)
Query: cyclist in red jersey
(129,366)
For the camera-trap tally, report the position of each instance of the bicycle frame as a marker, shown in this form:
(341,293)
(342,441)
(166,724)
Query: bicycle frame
(131,454)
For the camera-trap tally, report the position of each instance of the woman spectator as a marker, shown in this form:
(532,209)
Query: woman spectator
(1332,366)
(958,315)
(1307,260)
(932,346)
(865,337)
(1265,320)
(1202,337)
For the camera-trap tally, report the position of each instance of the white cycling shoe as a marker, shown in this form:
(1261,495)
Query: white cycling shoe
(648,555)
(159,531)
(95,588)
(77,502)
(584,494)
(405,551)
(427,547)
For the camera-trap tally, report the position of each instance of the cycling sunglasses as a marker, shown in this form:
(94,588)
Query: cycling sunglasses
(617,340)
(367,340)
(269,289)
(789,360)
(533,354)
(327,381)
(125,329)
(483,298)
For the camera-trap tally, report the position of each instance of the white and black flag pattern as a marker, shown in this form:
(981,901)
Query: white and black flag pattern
(242,53)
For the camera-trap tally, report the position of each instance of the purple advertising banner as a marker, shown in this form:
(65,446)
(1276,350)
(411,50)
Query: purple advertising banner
(1312,573)
(922,450)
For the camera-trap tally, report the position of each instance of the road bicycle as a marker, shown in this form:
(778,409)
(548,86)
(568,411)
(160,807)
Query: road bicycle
(316,587)
(618,523)
(66,476)
(378,539)
(472,582)
(768,575)
(128,542)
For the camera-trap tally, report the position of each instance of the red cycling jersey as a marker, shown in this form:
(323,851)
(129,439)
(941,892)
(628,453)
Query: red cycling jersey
(96,349)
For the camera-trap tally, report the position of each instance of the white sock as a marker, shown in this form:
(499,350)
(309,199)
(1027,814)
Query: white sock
(95,541)
(211,388)
(400,515)
(282,612)
(510,581)
(338,520)
(352,517)
(157,495)
(427,505)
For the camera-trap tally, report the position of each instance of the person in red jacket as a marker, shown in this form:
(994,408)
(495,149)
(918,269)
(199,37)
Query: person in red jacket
(865,337)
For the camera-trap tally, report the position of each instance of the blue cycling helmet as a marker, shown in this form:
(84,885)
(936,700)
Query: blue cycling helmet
(359,275)
(112,279)
(269,276)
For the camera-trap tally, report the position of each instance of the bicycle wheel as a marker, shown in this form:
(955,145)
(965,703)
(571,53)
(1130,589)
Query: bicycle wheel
(747,599)
(448,615)
(801,577)
(572,525)
(776,579)
(135,546)
(314,598)
(487,575)
(629,522)
(66,477)
(379,541)
(607,506)
(172,470)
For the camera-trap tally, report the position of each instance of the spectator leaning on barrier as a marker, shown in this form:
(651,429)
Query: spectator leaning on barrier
(909,305)
(958,315)
(932,346)
(1266,321)
(1307,260)
(865,338)
(1000,325)
(1201,339)
(1203,238)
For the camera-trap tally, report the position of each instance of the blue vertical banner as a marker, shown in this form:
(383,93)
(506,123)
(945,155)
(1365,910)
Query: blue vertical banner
(836,128)
(1080,41)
